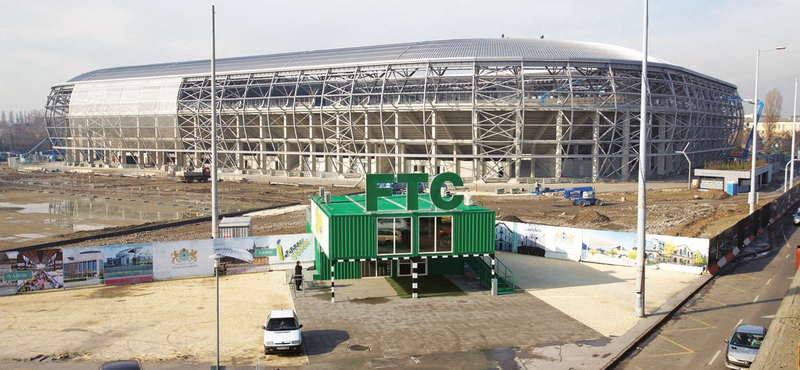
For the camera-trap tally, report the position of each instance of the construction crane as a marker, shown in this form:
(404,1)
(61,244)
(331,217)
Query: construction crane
(23,156)
(758,118)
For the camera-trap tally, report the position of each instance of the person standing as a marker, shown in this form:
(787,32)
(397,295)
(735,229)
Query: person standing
(298,275)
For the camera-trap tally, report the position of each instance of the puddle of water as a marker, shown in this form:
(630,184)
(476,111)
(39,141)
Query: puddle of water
(60,215)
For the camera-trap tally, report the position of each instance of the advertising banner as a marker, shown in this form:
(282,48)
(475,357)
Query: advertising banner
(127,264)
(320,227)
(36,269)
(600,246)
(83,266)
(183,259)
(264,253)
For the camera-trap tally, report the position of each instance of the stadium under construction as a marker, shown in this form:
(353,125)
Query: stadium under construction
(486,109)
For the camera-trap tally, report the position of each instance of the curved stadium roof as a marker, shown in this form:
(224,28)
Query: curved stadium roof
(442,50)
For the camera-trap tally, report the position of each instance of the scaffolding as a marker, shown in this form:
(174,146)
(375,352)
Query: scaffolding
(487,119)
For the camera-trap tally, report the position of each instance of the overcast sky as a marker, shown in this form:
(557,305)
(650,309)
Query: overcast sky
(48,42)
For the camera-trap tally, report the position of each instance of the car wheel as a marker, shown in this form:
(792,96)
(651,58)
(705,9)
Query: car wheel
(599,202)
(582,203)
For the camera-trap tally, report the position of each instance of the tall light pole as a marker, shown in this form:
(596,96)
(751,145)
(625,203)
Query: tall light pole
(642,206)
(794,129)
(754,140)
(214,200)
(217,257)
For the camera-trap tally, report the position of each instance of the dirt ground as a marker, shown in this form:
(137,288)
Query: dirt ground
(670,211)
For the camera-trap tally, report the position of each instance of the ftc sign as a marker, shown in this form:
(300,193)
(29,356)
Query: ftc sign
(412,181)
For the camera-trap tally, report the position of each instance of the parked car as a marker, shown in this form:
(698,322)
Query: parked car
(390,236)
(797,218)
(743,346)
(121,365)
(282,332)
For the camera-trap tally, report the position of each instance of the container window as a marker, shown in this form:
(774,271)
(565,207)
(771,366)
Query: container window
(435,234)
(394,235)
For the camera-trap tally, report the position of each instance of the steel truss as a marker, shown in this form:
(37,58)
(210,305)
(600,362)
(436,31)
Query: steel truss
(483,120)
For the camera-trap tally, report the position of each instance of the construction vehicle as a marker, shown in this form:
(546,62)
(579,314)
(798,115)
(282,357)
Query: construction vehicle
(568,192)
(192,176)
(580,196)
(583,197)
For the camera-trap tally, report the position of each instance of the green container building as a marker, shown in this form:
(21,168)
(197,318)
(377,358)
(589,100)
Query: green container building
(352,242)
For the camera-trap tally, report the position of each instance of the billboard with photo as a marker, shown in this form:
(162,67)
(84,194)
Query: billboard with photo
(601,246)
(83,266)
(127,264)
(32,270)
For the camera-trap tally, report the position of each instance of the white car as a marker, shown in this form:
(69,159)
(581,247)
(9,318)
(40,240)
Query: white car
(282,332)
(797,218)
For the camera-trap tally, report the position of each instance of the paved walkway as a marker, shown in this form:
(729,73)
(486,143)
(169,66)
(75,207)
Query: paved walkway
(561,308)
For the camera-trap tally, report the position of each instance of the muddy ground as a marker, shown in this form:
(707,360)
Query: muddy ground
(671,210)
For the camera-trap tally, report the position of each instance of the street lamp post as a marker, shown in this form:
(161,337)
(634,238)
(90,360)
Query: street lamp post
(754,140)
(794,129)
(217,257)
(689,182)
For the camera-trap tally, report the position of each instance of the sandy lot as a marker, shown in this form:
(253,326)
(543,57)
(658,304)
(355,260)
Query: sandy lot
(170,320)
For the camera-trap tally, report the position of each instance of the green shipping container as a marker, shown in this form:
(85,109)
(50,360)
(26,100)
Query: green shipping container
(346,232)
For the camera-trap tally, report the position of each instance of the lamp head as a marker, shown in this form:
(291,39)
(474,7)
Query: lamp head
(216,257)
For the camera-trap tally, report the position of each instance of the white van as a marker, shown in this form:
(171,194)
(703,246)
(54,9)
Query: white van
(282,332)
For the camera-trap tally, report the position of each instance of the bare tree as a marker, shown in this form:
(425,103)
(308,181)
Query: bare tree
(772,112)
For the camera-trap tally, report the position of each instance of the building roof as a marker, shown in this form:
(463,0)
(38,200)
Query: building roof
(497,49)
(349,205)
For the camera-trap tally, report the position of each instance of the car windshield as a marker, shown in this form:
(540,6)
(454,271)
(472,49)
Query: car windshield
(278,324)
(747,340)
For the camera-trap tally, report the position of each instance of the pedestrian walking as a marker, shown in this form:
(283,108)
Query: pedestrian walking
(298,276)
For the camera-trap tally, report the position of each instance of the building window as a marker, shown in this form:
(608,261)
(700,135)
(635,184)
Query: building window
(394,236)
(404,268)
(376,268)
(435,234)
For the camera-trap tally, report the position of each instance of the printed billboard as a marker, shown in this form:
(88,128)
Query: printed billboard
(320,227)
(83,266)
(183,259)
(127,264)
(609,247)
(31,270)
(264,253)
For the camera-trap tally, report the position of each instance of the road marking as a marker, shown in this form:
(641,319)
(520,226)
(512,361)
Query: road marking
(754,301)
(741,276)
(787,256)
(717,302)
(737,324)
(714,358)
(768,317)
(768,281)
(688,351)
(740,290)
(707,326)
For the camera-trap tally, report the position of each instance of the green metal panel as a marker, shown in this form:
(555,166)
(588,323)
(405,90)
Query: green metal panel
(348,270)
(473,233)
(353,236)
(446,266)
(343,270)
(322,263)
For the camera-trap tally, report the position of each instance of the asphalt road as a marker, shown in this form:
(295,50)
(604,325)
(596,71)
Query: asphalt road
(749,291)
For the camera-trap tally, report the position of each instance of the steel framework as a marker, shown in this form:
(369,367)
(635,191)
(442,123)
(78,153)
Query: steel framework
(484,119)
